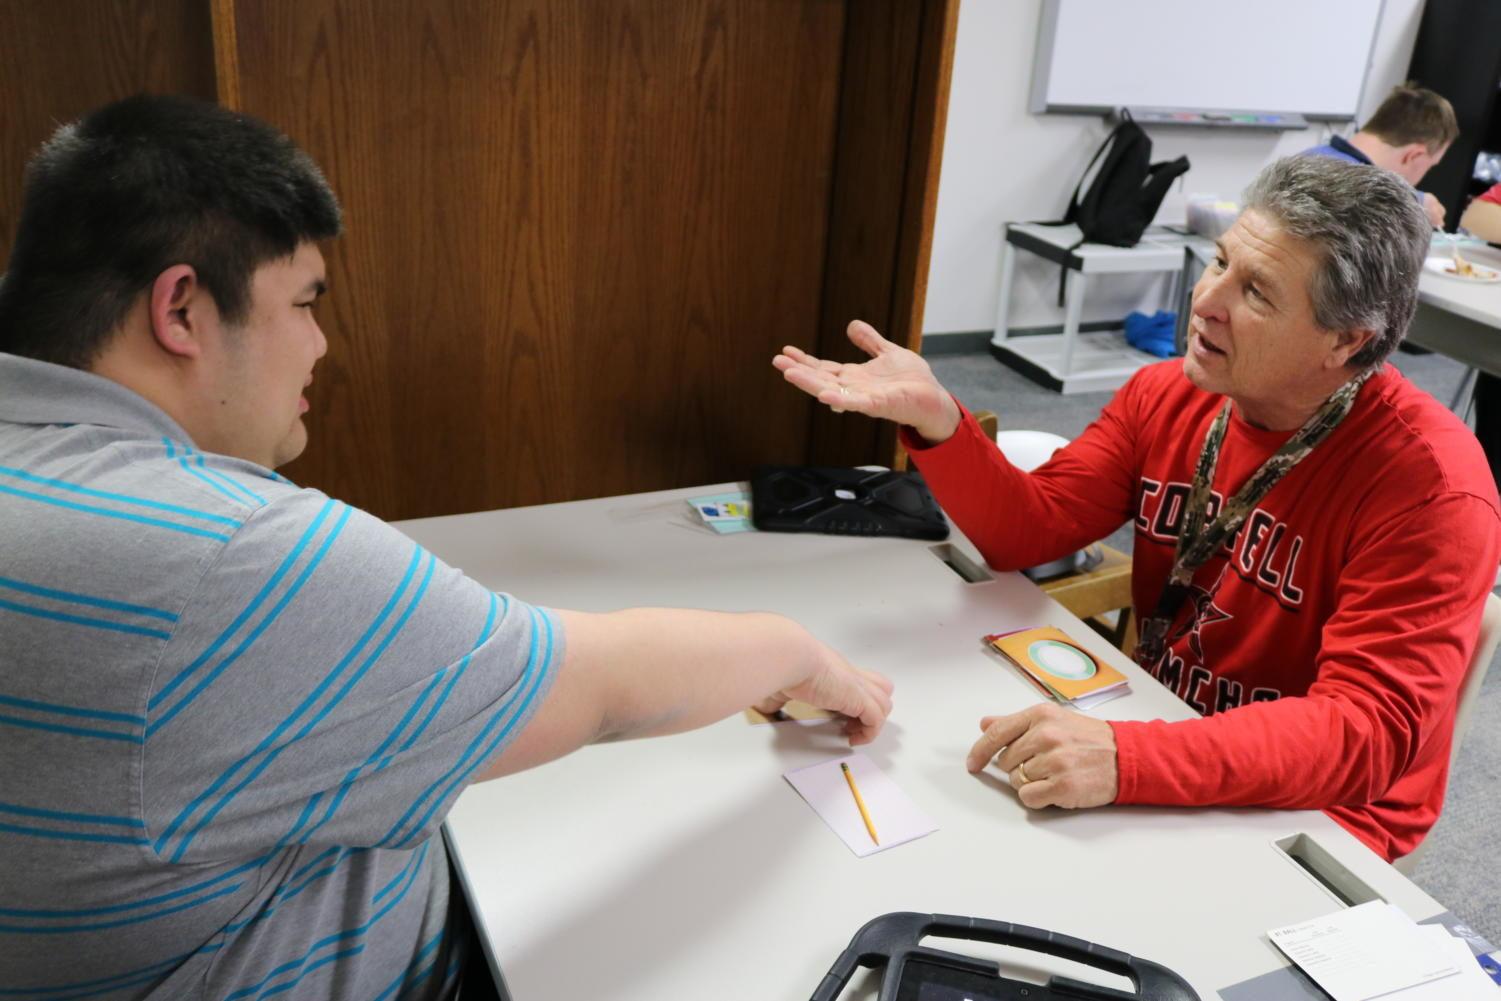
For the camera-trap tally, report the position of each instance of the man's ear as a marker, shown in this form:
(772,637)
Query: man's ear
(1348,344)
(175,311)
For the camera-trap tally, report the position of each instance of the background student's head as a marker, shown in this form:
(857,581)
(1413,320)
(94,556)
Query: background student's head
(1417,126)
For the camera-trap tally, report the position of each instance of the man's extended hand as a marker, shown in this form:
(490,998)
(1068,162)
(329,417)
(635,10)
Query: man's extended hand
(1434,209)
(895,385)
(1054,756)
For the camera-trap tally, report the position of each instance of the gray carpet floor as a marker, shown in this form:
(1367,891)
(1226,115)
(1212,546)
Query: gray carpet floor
(1458,867)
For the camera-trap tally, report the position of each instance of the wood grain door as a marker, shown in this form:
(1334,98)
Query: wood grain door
(576,230)
(60,59)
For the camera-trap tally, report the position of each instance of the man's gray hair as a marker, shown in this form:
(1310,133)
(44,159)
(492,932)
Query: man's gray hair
(1371,232)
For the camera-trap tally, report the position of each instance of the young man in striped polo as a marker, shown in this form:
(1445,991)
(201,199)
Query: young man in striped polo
(234,712)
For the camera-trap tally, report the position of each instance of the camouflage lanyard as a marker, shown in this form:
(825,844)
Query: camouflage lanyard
(1197,542)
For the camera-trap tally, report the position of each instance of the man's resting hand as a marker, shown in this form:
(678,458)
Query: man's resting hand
(1054,756)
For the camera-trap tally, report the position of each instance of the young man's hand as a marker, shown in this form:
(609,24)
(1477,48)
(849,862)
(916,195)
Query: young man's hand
(1434,210)
(862,697)
(895,385)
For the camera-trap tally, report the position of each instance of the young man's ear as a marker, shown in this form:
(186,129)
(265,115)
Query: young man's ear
(174,310)
(1412,153)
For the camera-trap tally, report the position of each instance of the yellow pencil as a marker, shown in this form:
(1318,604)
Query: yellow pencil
(850,778)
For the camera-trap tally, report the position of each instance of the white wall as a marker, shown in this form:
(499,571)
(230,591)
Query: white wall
(1002,164)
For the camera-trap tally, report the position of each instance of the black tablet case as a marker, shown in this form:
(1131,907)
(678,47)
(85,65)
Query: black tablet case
(844,502)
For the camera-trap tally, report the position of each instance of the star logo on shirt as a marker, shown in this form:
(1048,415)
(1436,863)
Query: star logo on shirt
(1205,613)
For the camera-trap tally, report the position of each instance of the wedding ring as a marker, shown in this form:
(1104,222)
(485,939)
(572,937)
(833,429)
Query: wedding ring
(1021,770)
(844,391)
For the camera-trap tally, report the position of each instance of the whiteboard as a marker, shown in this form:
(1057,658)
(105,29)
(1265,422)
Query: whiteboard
(1306,57)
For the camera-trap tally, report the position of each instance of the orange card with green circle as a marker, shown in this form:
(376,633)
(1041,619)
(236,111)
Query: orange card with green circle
(1061,666)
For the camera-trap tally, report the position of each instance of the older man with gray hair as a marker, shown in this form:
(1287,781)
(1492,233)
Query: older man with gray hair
(1314,537)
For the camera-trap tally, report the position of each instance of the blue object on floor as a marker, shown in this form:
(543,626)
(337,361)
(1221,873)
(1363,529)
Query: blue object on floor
(1152,334)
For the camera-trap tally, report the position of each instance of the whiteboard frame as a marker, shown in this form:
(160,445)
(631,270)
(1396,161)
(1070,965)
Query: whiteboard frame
(1042,63)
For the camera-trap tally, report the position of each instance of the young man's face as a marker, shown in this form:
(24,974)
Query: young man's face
(267,362)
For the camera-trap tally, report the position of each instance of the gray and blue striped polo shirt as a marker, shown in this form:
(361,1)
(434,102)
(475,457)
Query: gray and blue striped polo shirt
(233,714)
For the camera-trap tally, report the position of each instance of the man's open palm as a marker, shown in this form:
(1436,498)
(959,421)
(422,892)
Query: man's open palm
(895,385)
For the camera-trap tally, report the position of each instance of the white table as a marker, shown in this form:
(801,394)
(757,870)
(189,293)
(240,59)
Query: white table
(1071,362)
(685,867)
(1461,319)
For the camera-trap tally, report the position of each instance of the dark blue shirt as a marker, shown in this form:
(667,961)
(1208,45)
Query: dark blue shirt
(1341,149)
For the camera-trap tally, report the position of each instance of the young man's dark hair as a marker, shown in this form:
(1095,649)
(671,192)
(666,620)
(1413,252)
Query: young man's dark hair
(114,199)
(1413,114)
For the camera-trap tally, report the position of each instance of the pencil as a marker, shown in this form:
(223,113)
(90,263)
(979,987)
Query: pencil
(865,816)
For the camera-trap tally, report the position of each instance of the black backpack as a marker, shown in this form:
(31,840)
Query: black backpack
(1124,195)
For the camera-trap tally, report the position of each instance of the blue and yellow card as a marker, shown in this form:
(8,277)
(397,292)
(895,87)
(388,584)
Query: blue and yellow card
(725,513)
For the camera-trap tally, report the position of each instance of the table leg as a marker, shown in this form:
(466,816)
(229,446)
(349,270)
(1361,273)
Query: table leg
(1461,402)
(1003,300)
(1072,309)
(1488,419)
(1192,269)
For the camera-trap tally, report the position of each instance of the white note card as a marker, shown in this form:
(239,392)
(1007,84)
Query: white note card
(1472,983)
(1373,950)
(896,818)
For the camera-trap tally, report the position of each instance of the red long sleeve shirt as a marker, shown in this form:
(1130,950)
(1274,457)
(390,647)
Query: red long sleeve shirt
(1326,645)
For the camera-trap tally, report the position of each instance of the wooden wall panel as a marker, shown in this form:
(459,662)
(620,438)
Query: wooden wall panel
(576,234)
(62,58)
(937,31)
(898,57)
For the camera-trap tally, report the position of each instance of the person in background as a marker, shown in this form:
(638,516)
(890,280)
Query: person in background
(234,712)
(1409,133)
(1315,537)
(1483,216)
